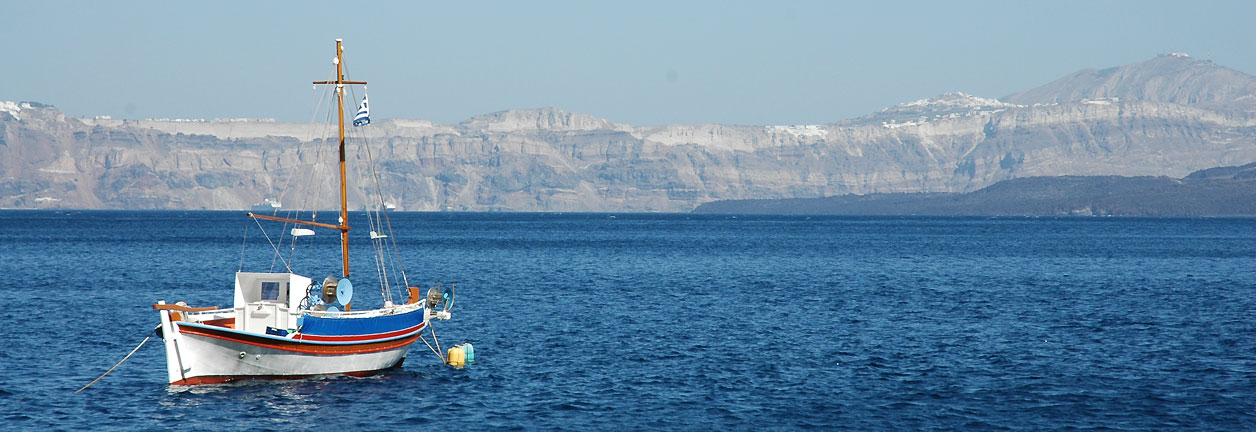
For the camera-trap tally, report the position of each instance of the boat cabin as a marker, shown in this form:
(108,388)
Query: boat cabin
(268,300)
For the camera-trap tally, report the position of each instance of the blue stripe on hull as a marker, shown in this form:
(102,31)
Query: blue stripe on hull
(322,326)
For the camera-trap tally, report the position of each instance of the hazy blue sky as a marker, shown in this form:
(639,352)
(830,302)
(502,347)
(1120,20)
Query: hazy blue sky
(639,62)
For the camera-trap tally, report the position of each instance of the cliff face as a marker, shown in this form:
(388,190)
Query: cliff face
(1184,115)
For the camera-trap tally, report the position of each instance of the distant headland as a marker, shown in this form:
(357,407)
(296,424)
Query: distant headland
(1222,191)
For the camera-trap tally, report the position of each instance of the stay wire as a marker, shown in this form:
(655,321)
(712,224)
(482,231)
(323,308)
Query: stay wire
(434,351)
(244,244)
(386,220)
(278,254)
(377,223)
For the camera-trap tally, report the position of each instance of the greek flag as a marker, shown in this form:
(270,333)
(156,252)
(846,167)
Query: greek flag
(364,114)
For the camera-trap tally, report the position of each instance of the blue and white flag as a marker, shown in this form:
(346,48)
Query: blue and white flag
(364,114)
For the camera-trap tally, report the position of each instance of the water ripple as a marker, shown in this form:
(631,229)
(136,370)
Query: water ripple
(681,322)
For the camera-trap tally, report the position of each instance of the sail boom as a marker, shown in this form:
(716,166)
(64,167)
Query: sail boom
(342,228)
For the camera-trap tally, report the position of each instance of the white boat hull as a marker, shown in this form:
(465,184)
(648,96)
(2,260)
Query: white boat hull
(210,354)
(208,360)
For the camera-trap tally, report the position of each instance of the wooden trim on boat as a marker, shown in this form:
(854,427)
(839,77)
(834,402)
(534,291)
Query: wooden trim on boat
(175,307)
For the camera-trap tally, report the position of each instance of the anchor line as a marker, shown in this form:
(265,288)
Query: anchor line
(434,339)
(429,346)
(124,359)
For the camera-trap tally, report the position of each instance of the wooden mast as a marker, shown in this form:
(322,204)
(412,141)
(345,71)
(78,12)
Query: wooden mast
(343,224)
(344,196)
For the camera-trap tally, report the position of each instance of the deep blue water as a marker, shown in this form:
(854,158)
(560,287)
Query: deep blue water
(594,322)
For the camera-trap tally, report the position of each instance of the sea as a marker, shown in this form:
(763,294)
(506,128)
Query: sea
(667,322)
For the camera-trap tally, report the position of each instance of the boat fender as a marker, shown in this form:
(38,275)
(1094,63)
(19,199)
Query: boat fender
(470,351)
(457,357)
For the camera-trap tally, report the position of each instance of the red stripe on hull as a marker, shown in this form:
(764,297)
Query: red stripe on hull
(298,346)
(202,380)
(356,338)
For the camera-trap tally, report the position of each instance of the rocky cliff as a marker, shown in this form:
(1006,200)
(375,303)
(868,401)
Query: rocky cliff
(1167,116)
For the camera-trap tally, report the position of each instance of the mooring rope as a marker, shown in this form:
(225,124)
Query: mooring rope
(137,348)
(429,346)
(434,339)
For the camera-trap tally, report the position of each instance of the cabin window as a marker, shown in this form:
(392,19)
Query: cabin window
(270,291)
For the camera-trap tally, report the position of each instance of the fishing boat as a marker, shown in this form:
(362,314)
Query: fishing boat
(285,325)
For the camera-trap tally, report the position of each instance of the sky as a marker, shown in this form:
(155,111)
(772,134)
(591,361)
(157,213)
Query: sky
(639,62)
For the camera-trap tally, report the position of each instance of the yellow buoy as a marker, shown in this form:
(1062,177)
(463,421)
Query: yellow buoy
(457,357)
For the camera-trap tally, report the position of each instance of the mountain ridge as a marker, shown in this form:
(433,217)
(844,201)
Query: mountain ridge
(1174,78)
(548,159)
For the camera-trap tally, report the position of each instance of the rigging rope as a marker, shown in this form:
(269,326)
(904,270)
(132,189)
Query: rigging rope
(316,182)
(137,348)
(302,179)
(434,339)
(434,351)
(379,223)
(374,220)
(314,185)
(381,251)
(243,246)
(307,181)
(278,255)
